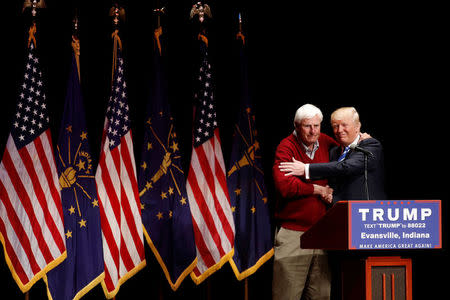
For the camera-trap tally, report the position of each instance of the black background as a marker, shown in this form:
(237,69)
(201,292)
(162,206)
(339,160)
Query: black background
(385,61)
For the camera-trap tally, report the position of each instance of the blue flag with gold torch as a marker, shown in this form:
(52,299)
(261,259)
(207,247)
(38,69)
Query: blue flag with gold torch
(162,185)
(253,244)
(84,266)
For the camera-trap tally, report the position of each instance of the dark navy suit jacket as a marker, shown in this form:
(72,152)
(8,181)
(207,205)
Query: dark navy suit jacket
(347,177)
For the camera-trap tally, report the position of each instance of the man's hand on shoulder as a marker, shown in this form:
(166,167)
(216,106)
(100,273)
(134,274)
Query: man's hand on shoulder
(294,168)
(364,136)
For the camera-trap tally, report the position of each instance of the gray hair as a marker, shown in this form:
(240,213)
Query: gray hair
(307,111)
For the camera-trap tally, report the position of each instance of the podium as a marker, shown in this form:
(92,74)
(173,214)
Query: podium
(359,230)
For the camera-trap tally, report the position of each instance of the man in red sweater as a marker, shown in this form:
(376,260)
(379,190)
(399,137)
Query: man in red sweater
(301,273)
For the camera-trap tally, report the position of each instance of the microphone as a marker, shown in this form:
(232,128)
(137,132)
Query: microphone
(360,149)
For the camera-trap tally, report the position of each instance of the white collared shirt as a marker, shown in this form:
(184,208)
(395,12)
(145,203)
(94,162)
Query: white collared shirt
(311,152)
(308,151)
(356,141)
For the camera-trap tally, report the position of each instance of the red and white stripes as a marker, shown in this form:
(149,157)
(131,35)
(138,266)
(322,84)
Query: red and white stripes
(122,232)
(31,218)
(210,208)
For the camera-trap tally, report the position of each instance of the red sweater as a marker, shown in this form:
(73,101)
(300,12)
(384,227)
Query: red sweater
(296,207)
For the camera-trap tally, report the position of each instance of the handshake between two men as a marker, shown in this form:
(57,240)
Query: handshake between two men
(297,168)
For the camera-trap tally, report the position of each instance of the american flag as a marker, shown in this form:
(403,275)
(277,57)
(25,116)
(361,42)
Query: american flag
(120,207)
(31,218)
(207,184)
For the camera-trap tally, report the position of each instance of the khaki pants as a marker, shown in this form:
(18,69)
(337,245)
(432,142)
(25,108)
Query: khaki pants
(299,273)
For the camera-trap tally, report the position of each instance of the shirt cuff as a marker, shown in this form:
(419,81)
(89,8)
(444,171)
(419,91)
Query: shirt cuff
(307,171)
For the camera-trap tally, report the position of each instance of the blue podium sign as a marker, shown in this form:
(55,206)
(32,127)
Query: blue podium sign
(395,224)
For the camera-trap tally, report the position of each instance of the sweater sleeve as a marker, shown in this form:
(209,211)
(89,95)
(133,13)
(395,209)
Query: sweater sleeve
(288,186)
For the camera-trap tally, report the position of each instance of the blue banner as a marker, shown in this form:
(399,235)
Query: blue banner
(164,202)
(253,244)
(395,224)
(84,266)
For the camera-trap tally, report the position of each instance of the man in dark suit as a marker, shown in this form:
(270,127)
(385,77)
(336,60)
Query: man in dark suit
(346,169)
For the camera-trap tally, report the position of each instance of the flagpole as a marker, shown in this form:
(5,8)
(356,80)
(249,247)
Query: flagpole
(157,33)
(158,30)
(115,14)
(241,36)
(208,288)
(161,279)
(246,288)
(34,6)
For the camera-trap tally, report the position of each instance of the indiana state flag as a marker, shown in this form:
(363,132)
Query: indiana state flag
(83,268)
(253,244)
(164,203)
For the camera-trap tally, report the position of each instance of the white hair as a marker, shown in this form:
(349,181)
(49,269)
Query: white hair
(307,111)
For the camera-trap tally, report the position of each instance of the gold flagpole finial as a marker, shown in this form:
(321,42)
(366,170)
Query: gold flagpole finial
(159,12)
(240,35)
(118,13)
(32,5)
(75,23)
(203,12)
